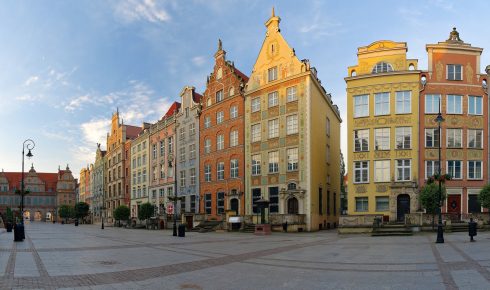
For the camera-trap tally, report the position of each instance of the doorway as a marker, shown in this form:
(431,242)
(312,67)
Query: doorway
(454,206)
(402,207)
(234,205)
(292,205)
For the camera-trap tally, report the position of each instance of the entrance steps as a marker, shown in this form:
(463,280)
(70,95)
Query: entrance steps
(459,227)
(392,230)
(248,228)
(206,226)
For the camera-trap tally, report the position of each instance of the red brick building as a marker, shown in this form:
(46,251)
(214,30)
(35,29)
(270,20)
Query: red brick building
(454,86)
(222,139)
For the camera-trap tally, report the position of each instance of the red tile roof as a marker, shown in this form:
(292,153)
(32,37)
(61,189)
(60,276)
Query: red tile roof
(132,131)
(196,97)
(173,109)
(50,179)
(242,75)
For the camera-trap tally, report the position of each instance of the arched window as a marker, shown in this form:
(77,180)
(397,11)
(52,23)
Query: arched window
(382,67)
(292,186)
(292,205)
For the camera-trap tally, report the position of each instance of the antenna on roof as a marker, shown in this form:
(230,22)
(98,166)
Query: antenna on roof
(273,14)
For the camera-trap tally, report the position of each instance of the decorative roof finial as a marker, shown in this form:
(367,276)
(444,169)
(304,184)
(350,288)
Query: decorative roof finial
(220,44)
(454,36)
(273,14)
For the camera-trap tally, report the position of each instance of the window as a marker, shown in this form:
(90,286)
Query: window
(256,133)
(170,145)
(182,133)
(361,140)
(233,138)
(273,99)
(233,112)
(454,72)
(256,194)
(475,105)
(432,104)
(272,74)
(192,129)
(182,178)
(455,168)
(432,138)
(182,154)
(382,171)
(256,104)
(207,203)
(292,124)
(475,170)
(274,162)
(256,164)
(154,151)
(361,106)
(292,155)
(207,122)
(403,169)
(361,204)
(192,151)
(162,171)
(220,170)
(192,174)
(381,104)
(207,173)
(454,104)
(475,138)
(274,128)
(431,168)
(162,148)
(134,162)
(403,137)
(193,203)
(162,192)
(220,142)
(382,67)
(474,205)
(220,116)
(144,175)
(219,96)
(454,138)
(382,203)
(382,139)
(234,168)
(403,102)
(328,127)
(361,171)
(274,199)
(291,94)
(220,203)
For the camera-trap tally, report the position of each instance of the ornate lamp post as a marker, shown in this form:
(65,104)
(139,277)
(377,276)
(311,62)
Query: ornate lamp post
(29,145)
(440,232)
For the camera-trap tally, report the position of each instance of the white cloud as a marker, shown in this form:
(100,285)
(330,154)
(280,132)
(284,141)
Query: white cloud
(320,24)
(29,98)
(146,10)
(31,80)
(199,60)
(95,131)
(57,136)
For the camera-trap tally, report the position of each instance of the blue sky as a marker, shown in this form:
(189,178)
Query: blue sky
(66,65)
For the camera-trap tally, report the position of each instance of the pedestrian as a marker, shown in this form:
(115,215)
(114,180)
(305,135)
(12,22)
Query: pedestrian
(472,229)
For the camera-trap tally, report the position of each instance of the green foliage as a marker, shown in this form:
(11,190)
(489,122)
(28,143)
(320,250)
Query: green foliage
(9,215)
(122,212)
(81,209)
(484,196)
(342,172)
(145,211)
(429,197)
(66,211)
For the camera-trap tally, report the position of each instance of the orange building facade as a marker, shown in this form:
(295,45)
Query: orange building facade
(454,87)
(221,140)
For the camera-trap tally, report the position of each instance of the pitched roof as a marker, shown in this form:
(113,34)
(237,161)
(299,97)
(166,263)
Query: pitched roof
(196,97)
(50,179)
(173,109)
(132,131)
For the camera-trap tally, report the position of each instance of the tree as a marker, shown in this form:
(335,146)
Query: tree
(429,198)
(122,212)
(66,212)
(484,198)
(145,211)
(342,185)
(9,215)
(81,210)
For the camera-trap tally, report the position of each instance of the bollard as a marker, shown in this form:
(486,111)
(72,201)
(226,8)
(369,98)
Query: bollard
(472,229)
(181,230)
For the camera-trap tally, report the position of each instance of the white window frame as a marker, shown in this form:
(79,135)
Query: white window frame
(220,171)
(255,132)
(272,74)
(234,168)
(207,145)
(386,200)
(292,158)
(474,163)
(434,164)
(219,96)
(403,167)
(207,122)
(358,140)
(256,164)
(434,131)
(220,117)
(454,72)
(292,124)
(255,104)
(192,174)
(273,99)
(383,100)
(451,132)
(406,107)
(474,132)
(397,136)
(476,99)
(207,172)
(379,135)
(234,112)
(192,129)
(291,93)
(220,142)
(273,161)
(433,99)
(382,170)
(451,169)
(364,200)
(234,138)
(361,109)
(273,128)
(454,102)
(364,171)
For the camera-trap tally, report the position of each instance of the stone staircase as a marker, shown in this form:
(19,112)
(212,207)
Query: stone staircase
(459,227)
(391,230)
(248,228)
(206,226)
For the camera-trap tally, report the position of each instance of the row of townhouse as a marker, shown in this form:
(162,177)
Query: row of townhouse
(274,135)
(394,138)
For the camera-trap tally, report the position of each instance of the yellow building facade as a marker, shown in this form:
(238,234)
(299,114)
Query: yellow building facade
(382,130)
(292,139)
(140,170)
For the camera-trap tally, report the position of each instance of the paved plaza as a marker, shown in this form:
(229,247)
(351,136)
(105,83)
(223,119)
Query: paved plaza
(56,256)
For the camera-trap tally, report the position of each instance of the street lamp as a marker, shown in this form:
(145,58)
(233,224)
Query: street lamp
(440,233)
(174,198)
(29,145)
(103,208)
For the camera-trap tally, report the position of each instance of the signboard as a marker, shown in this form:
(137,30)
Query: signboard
(170,208)
(235,219)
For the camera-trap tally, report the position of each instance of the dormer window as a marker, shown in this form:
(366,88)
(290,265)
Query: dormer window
(272,74)
(382,67)
(454,72)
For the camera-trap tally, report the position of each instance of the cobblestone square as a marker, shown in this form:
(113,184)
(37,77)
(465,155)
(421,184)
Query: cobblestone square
(56,256)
